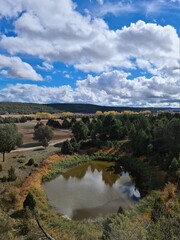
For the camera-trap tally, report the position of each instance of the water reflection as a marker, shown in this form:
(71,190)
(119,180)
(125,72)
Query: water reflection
(91,190)
(105,168)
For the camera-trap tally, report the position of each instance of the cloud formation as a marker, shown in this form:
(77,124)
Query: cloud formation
(110,88)
(14,67)
(88,44)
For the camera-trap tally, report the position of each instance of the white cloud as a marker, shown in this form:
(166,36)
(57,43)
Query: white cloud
(114,8)
(88,44)
(46,66)
(110,88)
(10,8)
(34,93)
(16,68)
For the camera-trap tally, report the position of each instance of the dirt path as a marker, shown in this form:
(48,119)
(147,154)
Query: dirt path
(53,143)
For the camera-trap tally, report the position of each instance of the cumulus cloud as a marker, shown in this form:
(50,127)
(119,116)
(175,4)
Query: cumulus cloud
(16,68)
(110,88)
(86,42)
(89,45)
(35,93)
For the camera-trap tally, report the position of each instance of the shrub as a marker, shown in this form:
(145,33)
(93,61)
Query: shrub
(67,148)
(45,143)
(21,160)
(30,162)
(22,167)
(4,179)
(11,174)
(29,202)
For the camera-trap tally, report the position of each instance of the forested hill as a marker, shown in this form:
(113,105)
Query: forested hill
(28,108)
(24,108)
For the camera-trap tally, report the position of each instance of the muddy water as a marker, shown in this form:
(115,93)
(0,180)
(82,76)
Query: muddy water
(91,190)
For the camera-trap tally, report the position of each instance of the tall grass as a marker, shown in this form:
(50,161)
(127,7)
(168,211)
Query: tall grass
(59,167)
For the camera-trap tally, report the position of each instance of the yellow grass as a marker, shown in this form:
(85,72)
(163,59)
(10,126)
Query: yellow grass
(35,179)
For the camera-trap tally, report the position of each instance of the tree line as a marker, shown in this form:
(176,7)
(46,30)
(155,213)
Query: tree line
(156,137)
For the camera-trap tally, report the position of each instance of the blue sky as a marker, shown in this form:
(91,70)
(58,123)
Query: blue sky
(122,53)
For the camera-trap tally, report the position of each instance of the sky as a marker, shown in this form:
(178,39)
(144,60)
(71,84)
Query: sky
(105,52)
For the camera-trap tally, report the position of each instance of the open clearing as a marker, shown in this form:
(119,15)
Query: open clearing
(32,149)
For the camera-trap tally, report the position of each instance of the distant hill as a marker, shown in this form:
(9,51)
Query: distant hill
(24,108)
(29,108)
(88,108)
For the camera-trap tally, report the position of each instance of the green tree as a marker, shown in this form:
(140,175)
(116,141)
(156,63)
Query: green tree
(141,143)
(53,123)
(74,144)
(11,174)
(66,124)
(67,148)
(43,132)
(29,202)
(45,143)
(9,138)
(174,165)
(80,130)
(86,119)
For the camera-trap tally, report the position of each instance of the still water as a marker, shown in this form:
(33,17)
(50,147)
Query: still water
(91,190)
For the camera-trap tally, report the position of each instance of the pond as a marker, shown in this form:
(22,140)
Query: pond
(91,190)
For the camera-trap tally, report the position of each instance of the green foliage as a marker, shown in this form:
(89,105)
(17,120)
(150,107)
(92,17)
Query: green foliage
(30,162)
(43,132)
(24,108)
(67,148)
(53,123)
(9,138)
(4,179)
(123,228)
(158,210)
(86,119)
(11,174)
(21,160)
(164,225)
(45,143)
(66,124)
(80,130)
(29,202)
(74,144)
(174,165)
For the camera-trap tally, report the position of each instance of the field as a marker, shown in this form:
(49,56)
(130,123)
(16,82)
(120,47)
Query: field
(32,149)
(12,194)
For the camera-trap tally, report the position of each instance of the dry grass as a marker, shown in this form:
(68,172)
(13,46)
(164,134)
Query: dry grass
(34,180)
(27,130)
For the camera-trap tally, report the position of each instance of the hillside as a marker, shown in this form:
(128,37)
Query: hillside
(28,108)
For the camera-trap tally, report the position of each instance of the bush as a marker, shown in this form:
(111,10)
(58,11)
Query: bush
(22,167)
(4,179)
(29,202)
(11,174)
(21,160)
(67,148)
(45,143)
(30,162)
